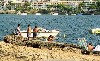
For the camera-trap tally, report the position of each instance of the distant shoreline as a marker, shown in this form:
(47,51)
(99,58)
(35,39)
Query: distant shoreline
(14,12)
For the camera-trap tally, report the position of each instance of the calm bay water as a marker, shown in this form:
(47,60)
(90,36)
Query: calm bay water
(72,27)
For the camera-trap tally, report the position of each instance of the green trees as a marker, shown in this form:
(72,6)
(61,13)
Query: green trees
(60,8)
(2,3)
(92,7)
(80,8)
(23,8)
(10,5)
(98,5)
(26,5)
(44,11)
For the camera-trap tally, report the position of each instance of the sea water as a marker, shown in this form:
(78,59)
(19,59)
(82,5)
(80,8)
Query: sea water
(71,27)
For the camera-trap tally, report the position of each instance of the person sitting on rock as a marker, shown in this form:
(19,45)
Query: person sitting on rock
(50,38)
(90,47)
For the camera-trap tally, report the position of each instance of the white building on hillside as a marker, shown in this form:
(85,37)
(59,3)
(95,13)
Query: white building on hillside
(88,3)
(39,5)
(43,4)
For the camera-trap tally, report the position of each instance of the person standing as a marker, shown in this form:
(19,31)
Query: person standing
(35,30)
(29,31)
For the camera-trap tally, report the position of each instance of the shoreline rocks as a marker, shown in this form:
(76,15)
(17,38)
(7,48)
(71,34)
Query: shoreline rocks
(19,40)
(11,52)
(18,48)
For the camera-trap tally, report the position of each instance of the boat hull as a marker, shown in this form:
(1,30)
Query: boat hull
(23,14)
(41,34)
(38,14)
(95,31)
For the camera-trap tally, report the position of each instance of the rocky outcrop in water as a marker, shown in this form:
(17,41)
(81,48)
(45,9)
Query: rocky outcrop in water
(19,40)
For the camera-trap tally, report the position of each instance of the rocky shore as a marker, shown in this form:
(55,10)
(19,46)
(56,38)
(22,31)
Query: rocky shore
(58,52)
(38,43)
(10,52)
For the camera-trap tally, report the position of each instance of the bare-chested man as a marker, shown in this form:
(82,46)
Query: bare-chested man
(28,31)
(35,30)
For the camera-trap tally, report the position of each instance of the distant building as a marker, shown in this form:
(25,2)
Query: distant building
(43,4)
(1,5)
(88,3)
(39,5)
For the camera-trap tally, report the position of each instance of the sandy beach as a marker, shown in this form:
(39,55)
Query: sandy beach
(10,52)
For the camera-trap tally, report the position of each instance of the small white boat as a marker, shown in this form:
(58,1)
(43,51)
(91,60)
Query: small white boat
(19,13)
(97,48)
(66,14)
(92,14)
(38,14)
(73,14)
(23,14)
(95,31)
(54,13)
(43,33)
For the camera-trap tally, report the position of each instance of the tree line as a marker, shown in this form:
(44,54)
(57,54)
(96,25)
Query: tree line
(60,8)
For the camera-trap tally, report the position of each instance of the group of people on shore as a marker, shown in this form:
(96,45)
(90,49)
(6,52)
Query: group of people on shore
(30,30)
(82,41)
